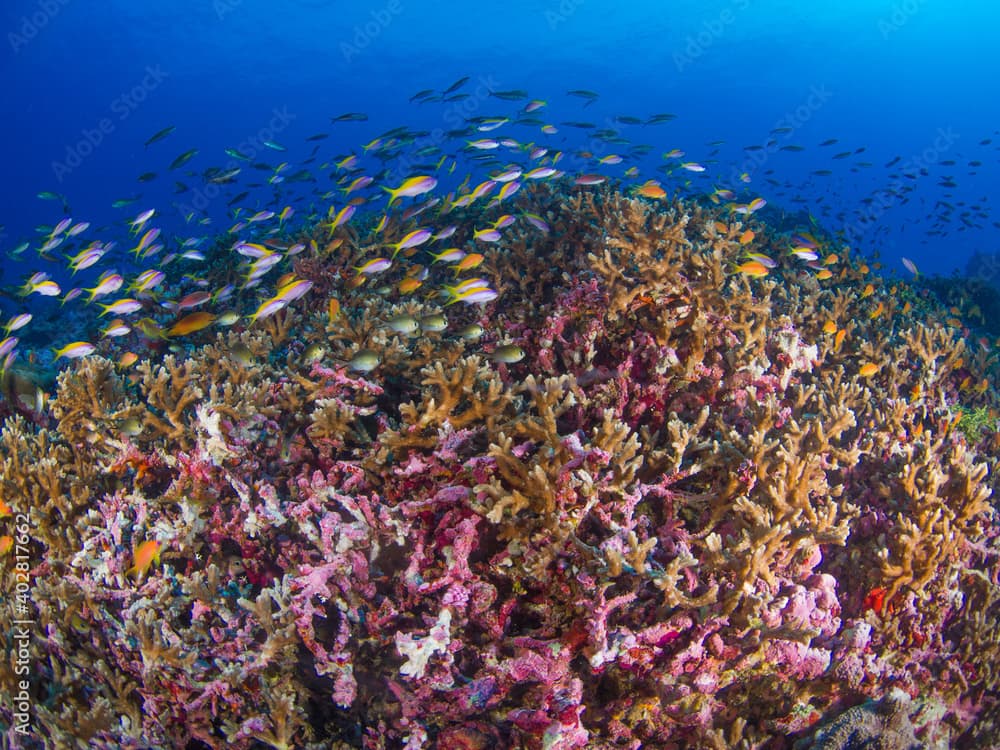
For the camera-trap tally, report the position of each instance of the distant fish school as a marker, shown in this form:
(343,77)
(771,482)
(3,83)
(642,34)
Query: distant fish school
(159,281)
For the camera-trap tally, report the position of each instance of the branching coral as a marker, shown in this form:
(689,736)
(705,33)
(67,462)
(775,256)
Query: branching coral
(171,389)
(466,394)
(689,516)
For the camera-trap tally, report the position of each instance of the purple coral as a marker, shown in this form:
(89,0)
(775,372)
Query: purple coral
(663,527)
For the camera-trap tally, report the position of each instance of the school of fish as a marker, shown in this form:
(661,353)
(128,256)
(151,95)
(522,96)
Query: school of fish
(135,282)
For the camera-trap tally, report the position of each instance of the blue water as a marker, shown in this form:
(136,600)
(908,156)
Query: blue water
(86,84)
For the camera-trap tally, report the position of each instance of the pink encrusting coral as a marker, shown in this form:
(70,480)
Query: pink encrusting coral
(683,519)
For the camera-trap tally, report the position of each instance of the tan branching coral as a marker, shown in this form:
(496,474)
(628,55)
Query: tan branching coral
(91,403)
(337,421)
(689,504)
(278,326)
(171,391)
(644,253)
(548,483)
(285,717)
(43,477)
(945,499)
(979,645)
(792,508)
(467,394)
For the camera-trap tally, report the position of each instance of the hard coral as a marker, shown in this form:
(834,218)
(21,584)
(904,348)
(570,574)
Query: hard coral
(879,725)
(685,518)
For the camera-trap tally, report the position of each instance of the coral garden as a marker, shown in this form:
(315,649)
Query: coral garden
(703,510)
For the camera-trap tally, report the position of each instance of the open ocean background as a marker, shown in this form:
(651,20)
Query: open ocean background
(777,512)
(85,85)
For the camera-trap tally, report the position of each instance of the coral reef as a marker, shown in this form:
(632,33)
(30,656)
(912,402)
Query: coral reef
(688,517)
(884,724)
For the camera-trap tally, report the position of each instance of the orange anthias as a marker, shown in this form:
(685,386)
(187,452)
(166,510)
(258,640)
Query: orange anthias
(651,190)
(868,369)
(190,323)
(753,268)
(145,555)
